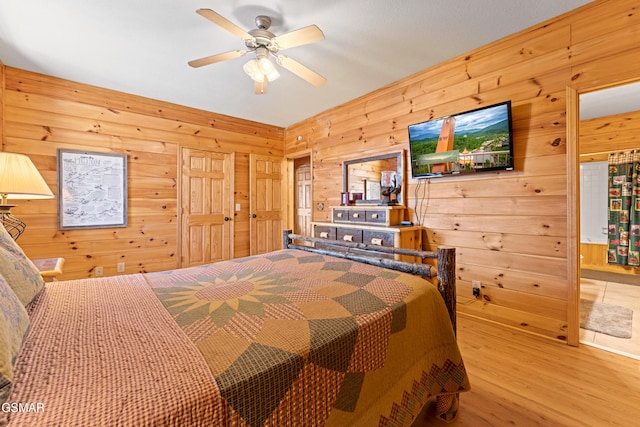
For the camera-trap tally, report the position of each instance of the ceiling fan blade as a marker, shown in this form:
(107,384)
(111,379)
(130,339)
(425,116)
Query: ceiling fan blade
(301,71)
(216,58)
(306,35)
(260,88)
(223,22)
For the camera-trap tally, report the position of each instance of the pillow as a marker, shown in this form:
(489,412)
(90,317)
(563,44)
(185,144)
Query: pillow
(14,325)
(18,270)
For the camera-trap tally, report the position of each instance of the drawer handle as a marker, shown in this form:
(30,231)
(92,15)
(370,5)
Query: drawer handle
(324,234)
(374,216)
(339,214)
(347,238)
(376,241)
(356,215)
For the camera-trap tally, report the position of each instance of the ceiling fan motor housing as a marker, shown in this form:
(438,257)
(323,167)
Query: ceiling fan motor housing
(263,22)
(261,38)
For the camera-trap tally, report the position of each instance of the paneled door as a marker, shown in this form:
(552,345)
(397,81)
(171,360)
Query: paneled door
(267,204)
(303,200)
(207,207)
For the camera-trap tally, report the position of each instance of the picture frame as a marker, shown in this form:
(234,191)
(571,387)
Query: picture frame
(372,190)
(92,189)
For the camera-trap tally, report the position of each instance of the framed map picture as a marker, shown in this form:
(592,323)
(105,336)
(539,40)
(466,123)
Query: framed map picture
(92,189)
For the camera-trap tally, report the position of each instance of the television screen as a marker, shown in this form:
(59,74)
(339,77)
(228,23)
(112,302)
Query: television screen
(469,142)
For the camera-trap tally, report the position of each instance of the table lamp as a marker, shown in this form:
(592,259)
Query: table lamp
(19,179)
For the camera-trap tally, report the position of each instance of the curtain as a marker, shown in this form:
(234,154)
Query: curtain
(624,209)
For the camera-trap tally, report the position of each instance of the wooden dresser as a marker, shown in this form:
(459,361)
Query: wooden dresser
(373,225)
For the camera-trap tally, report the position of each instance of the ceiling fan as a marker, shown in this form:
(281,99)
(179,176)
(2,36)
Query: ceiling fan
(264,44)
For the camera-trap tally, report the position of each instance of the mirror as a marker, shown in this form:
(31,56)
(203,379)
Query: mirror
(363,176)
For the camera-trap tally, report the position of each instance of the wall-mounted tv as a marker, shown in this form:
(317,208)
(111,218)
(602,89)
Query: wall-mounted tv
(473,141)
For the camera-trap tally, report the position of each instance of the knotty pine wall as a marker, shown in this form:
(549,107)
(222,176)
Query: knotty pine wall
(510,228)
(603,135)
(43,113)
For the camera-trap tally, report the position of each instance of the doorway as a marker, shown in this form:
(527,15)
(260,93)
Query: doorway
(611,109)
(302,196)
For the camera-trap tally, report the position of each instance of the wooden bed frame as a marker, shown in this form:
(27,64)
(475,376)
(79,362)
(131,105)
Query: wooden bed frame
(370,254)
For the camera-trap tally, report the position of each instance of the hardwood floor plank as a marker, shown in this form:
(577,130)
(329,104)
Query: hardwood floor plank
(525,380)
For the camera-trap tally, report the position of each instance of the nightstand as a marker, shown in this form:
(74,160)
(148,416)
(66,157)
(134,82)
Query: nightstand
(49,268)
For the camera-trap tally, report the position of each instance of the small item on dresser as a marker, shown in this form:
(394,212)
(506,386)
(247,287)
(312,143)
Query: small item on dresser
(389,186)
(406,223)
(356,197)
(344,198)
(388,179)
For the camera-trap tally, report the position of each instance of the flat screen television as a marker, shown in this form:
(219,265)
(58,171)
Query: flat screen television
(474,141)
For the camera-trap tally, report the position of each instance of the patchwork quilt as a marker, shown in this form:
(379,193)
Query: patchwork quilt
(285,338)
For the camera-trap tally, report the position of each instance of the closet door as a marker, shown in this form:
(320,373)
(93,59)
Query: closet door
(302,202)
(207,207)
(267,204)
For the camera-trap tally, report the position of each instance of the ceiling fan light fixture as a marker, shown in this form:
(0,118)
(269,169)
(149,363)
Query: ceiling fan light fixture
(273,74)
(257,70)
(265,65)
(252,69)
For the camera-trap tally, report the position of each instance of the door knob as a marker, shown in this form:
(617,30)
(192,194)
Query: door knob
(254,216)
(226,218)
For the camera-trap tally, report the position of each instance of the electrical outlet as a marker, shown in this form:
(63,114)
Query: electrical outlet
(475,284)
(120,267)
(98,271)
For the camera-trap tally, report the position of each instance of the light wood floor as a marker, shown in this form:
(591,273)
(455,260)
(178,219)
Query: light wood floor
(618,294)
(518,379)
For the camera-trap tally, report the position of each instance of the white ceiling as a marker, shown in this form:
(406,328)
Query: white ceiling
(610,101)
(143,46)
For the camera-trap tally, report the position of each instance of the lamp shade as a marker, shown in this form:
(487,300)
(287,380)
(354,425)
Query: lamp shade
(19,178)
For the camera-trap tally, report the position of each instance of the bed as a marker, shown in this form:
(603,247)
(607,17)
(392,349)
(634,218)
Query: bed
(292,337)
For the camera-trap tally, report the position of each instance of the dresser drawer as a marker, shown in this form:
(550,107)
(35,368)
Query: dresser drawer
(357,216)
(376,216)
(324,232)
(380,238)
(340,215)
(349,235)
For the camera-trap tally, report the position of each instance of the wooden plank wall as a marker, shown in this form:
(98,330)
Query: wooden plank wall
(603,135)
(510,229)
(43,113)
